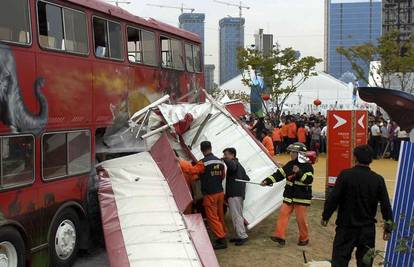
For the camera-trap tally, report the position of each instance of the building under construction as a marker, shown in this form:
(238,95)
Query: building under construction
(398,15)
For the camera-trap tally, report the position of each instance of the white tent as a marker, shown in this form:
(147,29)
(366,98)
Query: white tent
(332,92)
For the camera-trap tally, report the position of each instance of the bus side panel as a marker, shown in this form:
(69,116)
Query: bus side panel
(17,82)
(143,87)
(110,87)
(68,89)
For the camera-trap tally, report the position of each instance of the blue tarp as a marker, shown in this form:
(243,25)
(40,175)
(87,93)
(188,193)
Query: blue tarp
(403,210)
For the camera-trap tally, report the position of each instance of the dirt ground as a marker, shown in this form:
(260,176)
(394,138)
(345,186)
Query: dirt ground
(261,251)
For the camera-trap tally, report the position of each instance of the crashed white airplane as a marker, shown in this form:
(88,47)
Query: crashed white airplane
(142,196)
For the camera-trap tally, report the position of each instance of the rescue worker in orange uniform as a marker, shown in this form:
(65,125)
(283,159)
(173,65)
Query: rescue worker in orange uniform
(297,195)
(186,168)
(292,132)
(268,142)
(302,134)
(212,171)
(277,140)
(284,134)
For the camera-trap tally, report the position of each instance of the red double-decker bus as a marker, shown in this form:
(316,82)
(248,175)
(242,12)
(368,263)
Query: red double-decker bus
(67,70)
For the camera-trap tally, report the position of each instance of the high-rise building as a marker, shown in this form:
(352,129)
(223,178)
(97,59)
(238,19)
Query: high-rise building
(263,42)
(350,23)
(209,76)
(231,38)
(398,15)
(193,22)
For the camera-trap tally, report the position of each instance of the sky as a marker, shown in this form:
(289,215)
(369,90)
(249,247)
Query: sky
(293,23)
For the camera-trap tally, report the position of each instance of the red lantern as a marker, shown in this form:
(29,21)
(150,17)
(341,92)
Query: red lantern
(265,97)
(317,102)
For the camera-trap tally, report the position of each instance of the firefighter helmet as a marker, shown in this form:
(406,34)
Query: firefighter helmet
(297,147)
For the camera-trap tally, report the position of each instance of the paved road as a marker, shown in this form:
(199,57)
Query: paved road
(96,258)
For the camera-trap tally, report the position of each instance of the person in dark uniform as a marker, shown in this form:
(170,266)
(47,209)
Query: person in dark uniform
(356,194)
(297,195)
(235,193)
(212,171)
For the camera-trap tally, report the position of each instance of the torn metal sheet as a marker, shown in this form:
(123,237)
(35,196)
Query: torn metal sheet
(223,131)
(141,199)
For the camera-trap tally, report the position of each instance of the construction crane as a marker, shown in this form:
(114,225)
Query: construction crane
(117,2)
(240,6)
(182,8)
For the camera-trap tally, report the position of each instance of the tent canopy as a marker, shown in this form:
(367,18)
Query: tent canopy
(327,88)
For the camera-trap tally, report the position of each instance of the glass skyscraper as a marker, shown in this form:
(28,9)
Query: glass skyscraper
(350,22)
(231,38)
(193,22)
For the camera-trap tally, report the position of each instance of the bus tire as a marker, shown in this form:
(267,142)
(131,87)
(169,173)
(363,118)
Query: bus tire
(64,239)
(12,248)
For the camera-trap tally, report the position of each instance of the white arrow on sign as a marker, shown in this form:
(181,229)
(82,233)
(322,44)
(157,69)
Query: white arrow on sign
(340,121)
(361,121)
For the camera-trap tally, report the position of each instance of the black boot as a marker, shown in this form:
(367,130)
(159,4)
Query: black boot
(279,241)
(241,241)
(220,243)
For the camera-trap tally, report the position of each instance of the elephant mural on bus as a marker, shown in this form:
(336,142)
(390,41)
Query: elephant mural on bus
(13,111)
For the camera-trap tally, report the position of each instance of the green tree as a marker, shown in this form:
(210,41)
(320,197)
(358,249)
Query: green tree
(283,71)
(396,60)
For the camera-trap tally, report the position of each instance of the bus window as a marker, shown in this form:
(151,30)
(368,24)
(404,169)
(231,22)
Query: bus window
(172,53)
(189,61)
(148,48)
(177,52)
(62,28)
(65,154)
(17,164)
(79,160)
(50,26)
(193,58)
(15,21)
(134,45)
(108,38)
(197,58)
(76,34)
(166,53)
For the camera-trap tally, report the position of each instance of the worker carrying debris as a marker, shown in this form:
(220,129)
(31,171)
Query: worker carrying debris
(212,171)
(297,195)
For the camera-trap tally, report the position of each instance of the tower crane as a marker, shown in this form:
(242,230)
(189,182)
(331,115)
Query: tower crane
(117,2)
(182,8)
(240,6)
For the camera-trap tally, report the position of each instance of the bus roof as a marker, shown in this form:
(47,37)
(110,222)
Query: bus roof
(118,12)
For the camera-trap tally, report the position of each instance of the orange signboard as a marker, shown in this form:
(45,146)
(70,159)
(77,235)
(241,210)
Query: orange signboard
(346,129)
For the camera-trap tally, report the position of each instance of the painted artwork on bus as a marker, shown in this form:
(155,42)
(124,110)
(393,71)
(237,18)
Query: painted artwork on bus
(13,112)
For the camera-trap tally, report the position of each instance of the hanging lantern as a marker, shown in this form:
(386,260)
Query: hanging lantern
(317,102)
(265,97)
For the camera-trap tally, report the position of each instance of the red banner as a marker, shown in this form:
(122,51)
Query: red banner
(339,143)
(361,127)
(346,130)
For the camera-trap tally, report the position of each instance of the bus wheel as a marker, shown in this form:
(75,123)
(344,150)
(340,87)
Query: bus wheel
(64,239)
(12,251)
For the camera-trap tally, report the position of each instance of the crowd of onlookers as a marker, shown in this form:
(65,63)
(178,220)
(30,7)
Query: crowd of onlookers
(384,136)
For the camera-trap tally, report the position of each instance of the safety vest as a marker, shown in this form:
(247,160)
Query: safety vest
(213,175)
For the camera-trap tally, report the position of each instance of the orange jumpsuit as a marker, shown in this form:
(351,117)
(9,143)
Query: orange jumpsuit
(276,135)
(189,177)
(213,205)
(268,144)
(302,133)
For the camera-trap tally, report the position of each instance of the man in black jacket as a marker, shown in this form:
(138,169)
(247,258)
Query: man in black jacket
(356,194)
(235,193)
